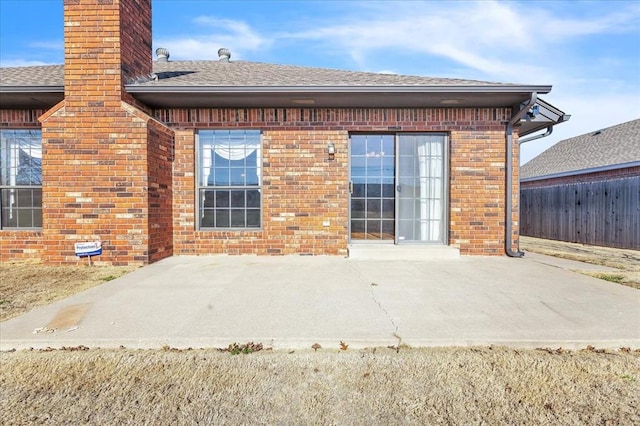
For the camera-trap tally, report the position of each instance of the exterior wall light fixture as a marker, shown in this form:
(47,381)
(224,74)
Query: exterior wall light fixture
(331,149)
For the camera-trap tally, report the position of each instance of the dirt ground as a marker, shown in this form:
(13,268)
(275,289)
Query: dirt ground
(627,262)
(25,285)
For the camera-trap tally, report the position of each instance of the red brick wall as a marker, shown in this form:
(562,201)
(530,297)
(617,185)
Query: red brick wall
(106,165)
(135,39)
(302,188)
(94,184)
(478,191)
(107,45)
(159,166)
(20,118)
(97,185)
(20,244)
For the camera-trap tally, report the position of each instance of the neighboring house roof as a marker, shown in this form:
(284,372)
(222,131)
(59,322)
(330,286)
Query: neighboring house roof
(606,149)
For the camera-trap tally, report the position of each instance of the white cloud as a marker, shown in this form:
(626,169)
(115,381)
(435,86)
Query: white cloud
(237,36)
(487,35)
(49,45)
(519,42)
(501,39)
(10,63)
(612,21)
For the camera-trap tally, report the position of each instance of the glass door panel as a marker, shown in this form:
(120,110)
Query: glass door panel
(373,187)
(420,188)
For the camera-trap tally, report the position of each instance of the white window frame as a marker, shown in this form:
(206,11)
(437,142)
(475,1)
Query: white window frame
(223,202)
(20,196)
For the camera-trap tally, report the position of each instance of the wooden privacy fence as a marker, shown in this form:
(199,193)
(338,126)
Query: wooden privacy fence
(603,213)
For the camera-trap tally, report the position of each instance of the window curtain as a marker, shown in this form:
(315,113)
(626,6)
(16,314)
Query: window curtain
(232,150)
(430,193)
(21,160)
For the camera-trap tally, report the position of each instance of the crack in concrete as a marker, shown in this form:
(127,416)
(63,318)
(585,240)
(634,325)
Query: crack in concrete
(377,302)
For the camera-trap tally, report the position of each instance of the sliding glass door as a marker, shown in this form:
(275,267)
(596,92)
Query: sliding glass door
(373,187)
(398,187)
(420,189)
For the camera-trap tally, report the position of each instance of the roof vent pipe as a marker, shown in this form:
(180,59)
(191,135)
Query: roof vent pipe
(224,54)
(163,54)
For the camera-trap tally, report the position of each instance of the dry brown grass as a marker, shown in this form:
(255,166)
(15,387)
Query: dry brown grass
(626,261)
(414,386)
(25,285)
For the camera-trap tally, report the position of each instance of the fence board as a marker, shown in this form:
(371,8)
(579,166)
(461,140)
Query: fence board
(604,213)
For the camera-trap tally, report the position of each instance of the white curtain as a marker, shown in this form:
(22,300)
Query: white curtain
(21,160)
(436,171)
(423,182)
(23,153)
(232,149)
(430,191)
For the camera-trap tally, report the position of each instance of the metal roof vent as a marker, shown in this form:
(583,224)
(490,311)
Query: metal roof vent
(224,54)
(163,54)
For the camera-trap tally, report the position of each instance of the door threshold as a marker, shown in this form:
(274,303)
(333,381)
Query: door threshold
(392,252)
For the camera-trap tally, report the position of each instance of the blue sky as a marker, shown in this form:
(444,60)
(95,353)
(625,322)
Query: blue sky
(588,50)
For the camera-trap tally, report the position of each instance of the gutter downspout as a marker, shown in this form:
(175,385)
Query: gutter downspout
(509,177)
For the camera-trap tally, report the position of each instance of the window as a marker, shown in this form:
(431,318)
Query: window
(20,178)
(229,178)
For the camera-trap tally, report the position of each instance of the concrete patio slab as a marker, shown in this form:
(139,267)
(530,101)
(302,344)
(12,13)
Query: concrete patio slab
(296,301)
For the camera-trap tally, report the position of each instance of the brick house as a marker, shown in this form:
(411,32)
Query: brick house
(586,189)
(158,158)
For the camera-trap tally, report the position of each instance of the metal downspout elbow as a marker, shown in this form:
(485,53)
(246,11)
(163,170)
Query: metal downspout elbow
(532,138)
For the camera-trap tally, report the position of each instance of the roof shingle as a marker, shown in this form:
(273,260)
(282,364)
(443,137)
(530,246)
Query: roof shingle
(613,145)
(216,73)
(43,75)
(239,74)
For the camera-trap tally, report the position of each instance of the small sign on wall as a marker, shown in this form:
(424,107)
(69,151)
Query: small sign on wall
(88,249)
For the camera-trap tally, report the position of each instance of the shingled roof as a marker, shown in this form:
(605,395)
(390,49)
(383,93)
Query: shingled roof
(612,147)
(240,84)
(43,75)
(238,73)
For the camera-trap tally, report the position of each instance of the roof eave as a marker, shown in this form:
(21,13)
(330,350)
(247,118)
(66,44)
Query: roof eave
(30,97)
(342,96)
(31,89)
(582,171)
(547,115)
(134,88)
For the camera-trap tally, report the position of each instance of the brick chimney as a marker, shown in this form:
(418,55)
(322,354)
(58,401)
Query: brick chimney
(107,44)
(106,163)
